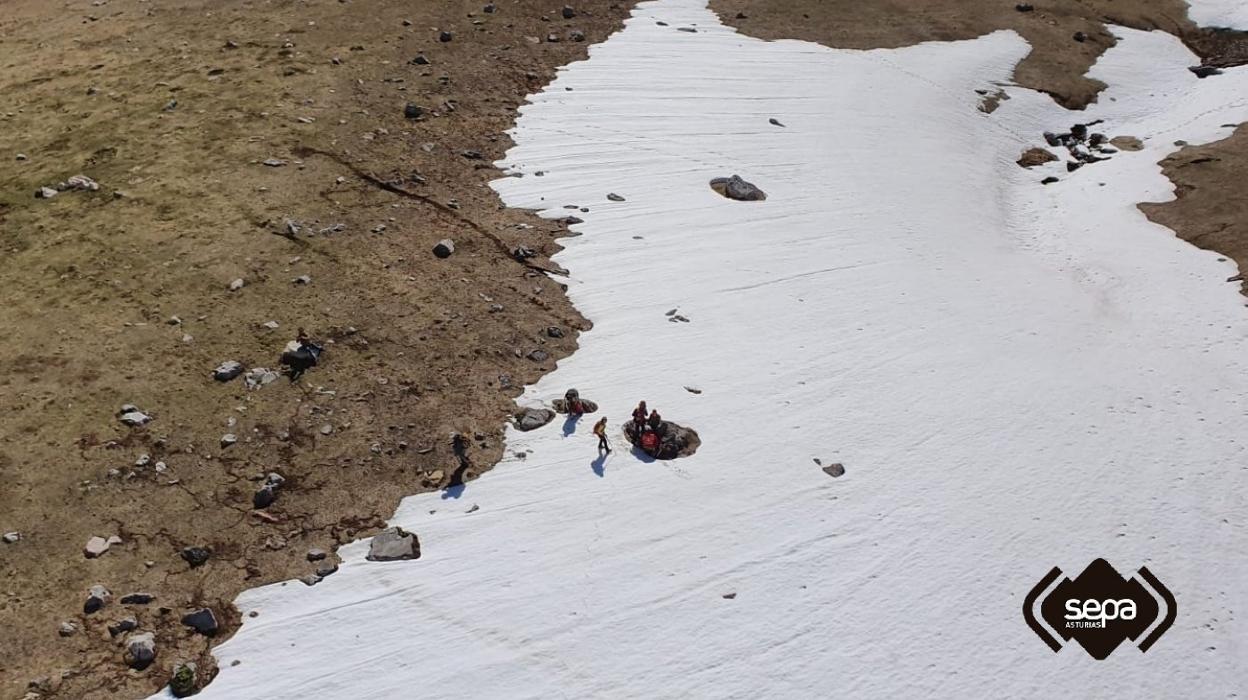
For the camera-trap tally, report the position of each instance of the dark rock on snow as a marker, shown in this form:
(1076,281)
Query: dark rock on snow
(736,188)
(393,544)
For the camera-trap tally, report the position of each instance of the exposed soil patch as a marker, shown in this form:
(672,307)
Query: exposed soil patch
(1067,36)
(1211,210)
(260,171)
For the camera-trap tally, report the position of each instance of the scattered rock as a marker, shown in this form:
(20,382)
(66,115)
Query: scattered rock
(140,650)
(260,377)
(393,544)
(575,35)
(444,248)
(539,355)
(554,332)
(302,279)
(126,624)
(97,597)
(1049,180)
(227,371)
(133,417)
(489,9)
(237,284)
(274,162)
(736,188)
(1024,7)
(202,621)
(1033,157)
(80,183)
(264,497)
(834,470)
(326,569)
(12,537)
(196,556)
(137,599)
(327,429)
(568,12)
(228,439)
(729,596)
(444,37)
(533,418)
(614,197)
(184,681)
(420,60)
(45,193)
(1080,37)
(316,554)
(97,546)
(774,122)
(67,629)
(1127,143)
(413,111)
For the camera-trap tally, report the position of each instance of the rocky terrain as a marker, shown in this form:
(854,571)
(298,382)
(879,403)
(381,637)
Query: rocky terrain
(187,185)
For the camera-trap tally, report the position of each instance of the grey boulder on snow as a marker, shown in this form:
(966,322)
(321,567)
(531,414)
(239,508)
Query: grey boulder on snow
(392,544)
(736,188)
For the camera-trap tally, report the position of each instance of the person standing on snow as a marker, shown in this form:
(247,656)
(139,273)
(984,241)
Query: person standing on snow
(600,429)
(655,421)
(639,417)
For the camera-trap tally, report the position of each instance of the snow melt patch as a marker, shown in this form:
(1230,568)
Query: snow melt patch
(1015,377)
(1230,14)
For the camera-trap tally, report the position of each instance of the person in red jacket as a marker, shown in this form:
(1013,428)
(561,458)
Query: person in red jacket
(639,417)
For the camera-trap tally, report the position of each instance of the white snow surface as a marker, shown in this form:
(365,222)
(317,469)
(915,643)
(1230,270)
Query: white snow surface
(1014,376)
(1231,14)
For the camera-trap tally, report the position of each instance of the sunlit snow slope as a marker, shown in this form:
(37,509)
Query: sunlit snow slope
(1015,376)
(1232,14)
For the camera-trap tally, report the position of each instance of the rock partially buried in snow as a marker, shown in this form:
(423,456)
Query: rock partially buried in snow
(675,440)
(736,188)
(1035,156)
(533,418)
(394,544)
(834,470)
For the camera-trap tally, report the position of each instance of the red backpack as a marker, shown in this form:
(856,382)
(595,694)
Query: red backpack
(650,442)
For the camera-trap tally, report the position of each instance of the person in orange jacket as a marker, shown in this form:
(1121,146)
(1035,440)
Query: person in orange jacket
(600,429)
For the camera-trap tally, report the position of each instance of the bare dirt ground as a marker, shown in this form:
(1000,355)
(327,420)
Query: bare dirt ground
(1211,205)
(173,108)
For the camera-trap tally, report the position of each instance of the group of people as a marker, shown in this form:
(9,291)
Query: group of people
(647,425)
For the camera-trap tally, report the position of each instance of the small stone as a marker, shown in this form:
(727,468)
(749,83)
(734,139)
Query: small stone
(140,650)
(554,332)
(12,537)
(1033,157)
(264,497)
(326,569)
(174,321)
(196,556)
(1024,7)
(575,35)
(227,371)
(67,629)
(260,377)
(228,439)
(302,279)
(96,546)
(327,429)
(316,554)
(1203,72)
(134,418)
(21,157)
(97,597)
(420,60)
(489,9)
(271,325)
(274,162)
(394,544)
(310,580)
(1080,37)
(45,193)
(237,284)
(184,680)
(413,111)
(471,155)
(126,624)
(137,599)
(202,621)
(834,470)
(539,355)
(774,122)
(614,197)
(444,248)
(1049,180)
(568,12)
(445,36)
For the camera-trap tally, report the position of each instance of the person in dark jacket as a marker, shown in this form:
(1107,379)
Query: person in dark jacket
(655,421)
(639,417)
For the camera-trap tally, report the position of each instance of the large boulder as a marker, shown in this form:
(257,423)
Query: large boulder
(227,371)
(97,597)
(392,544)
(184,681)
(736,188)
(675,440)
(533,418)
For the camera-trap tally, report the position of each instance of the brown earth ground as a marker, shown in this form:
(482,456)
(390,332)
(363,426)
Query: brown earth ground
(419,349)
(1211,207)
(173,107)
